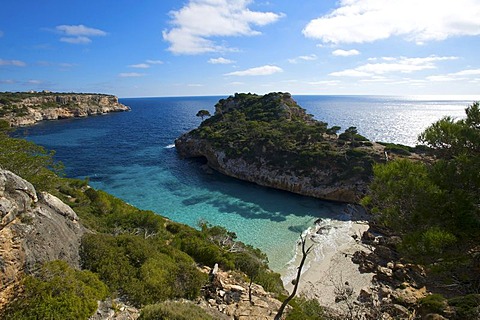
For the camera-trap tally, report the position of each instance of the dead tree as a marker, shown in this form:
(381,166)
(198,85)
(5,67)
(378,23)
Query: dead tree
(297,280)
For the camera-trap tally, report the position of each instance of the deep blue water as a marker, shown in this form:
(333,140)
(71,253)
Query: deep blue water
(131,155)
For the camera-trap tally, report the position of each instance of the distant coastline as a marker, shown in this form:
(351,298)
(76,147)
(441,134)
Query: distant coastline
(27,108)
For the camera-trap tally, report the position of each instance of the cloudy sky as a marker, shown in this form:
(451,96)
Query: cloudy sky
(219,47)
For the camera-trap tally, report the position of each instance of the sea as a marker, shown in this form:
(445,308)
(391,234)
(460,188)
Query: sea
(132,156)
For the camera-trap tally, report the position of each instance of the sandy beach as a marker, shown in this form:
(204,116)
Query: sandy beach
(329,267)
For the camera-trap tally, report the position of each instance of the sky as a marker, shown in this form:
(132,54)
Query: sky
(153,48)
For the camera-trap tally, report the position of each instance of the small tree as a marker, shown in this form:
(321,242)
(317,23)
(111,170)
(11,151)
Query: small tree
(251,265)
(305,253)
(203,113)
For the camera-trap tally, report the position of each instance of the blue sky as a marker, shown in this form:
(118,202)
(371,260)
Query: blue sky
(219,47)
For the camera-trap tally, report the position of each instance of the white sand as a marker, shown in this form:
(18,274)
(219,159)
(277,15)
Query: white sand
(330,268)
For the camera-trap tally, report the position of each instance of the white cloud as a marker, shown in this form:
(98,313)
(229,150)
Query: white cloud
(441,78)
(258,71)
(76,40)
(346,53)
(8,81)
(220,61)
(455,76)
(63,65)
(360,21)
(310,57)
(324,83)
(194,85)
(34,82)
(15,63)
(154,61)
(140,66)
(469,72)
(78,34)
(350,73)
(130,74)
(200,20)
(392,65)
(1,33)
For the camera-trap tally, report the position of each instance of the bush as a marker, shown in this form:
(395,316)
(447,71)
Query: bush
(142,269)
(173,311)
(434,303)
(58,292)
(466,307)
(303,309)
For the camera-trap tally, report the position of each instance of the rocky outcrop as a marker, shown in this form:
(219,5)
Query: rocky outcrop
(31,109)
(271,141)
(34,228)
(314,183)
(229,295)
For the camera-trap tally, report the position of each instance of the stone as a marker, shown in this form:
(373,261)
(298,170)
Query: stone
(365,295)
(234,287)
(398,311)
(434,316)
(48,234)
(368,236)
(58,206)
(384,253)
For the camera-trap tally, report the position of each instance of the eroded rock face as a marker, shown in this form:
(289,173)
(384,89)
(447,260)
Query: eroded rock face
(345,190)
(53,107)
(33,230)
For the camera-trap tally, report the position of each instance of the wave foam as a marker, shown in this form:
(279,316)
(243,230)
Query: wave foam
(326,236)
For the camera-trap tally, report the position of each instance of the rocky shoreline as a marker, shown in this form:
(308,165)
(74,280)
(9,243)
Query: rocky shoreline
(349,190)
(28,109)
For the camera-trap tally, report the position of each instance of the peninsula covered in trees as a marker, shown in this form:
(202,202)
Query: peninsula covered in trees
(270,140)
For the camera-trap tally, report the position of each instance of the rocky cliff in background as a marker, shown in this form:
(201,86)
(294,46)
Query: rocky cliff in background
(21,109)
(34,228)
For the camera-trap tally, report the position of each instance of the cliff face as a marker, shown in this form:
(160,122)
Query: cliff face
(271,141)
(29,108)
(316,183)
(34,228)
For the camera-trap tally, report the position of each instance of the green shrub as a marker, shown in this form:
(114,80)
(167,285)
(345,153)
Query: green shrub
(305,309)
(466,307)
(398,149)
(144,270)
(434,303)
(58,292)
(170,310)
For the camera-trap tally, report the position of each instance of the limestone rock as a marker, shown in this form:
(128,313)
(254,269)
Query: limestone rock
(58,206)
(32,231)
(232,299)
(62,106)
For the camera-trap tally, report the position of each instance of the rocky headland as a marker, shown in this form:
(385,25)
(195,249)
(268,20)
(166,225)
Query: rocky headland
(271,141)
(22,109)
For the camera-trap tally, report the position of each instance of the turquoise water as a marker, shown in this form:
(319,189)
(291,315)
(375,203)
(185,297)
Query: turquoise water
(131,155)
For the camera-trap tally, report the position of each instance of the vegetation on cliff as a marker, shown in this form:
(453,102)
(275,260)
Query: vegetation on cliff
(435,207)
(138,255)
(274,129)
